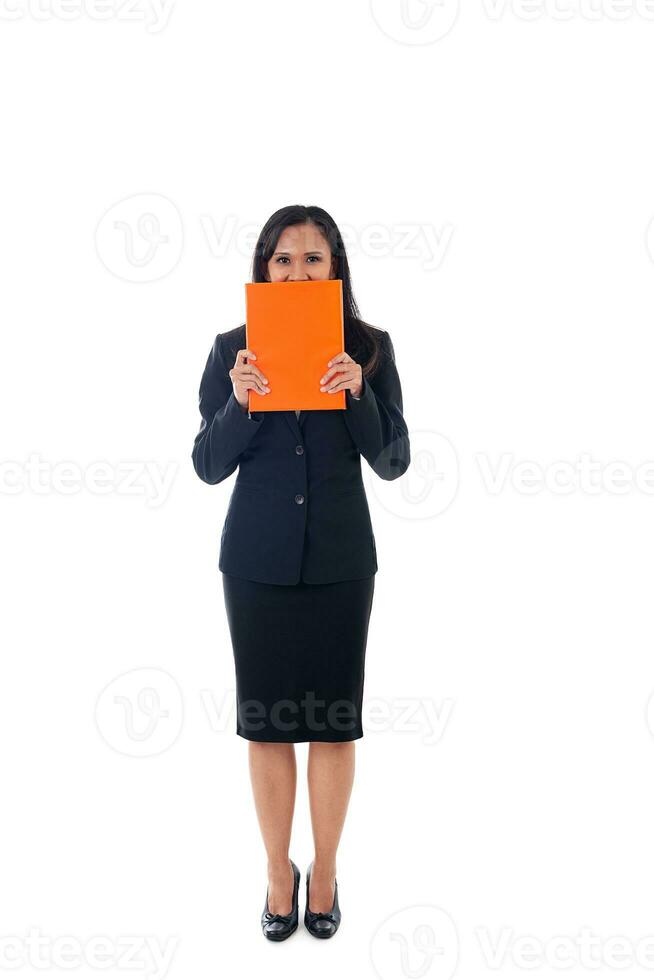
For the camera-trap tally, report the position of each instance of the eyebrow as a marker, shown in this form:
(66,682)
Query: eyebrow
(313,251)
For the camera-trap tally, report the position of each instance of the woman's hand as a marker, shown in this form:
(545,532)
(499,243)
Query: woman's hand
(245,376)
(344,373)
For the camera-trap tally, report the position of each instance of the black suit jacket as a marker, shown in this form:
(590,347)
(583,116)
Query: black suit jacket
(298,509)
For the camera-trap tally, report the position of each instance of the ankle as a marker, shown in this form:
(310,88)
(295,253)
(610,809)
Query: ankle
(324,867)
(279,867)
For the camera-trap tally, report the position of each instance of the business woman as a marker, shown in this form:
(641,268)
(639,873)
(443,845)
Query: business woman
(298,560)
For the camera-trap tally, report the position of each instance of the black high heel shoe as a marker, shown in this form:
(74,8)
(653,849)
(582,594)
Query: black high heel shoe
(322,925)
(278,927)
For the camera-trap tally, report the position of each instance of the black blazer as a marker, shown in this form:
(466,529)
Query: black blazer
(298,504)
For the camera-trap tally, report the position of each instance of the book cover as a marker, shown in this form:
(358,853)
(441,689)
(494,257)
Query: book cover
(294,328)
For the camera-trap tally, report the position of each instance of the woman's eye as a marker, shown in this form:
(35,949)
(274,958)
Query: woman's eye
(311,258)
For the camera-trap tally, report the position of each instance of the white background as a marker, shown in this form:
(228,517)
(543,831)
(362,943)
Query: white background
(514,609)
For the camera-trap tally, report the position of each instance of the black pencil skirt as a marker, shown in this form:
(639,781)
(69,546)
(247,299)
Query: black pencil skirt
(299,652)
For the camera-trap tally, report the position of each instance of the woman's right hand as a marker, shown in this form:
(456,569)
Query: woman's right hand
(246,375)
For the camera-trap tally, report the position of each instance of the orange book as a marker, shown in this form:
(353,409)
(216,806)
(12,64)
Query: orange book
(294,328)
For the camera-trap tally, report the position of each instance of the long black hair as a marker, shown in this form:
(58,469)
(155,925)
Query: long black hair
(361,341)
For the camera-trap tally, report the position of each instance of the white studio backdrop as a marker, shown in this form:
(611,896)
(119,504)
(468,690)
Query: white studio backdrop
(491,166)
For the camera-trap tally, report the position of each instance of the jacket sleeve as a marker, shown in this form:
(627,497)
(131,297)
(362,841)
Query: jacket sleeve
(226,430)
(375,419)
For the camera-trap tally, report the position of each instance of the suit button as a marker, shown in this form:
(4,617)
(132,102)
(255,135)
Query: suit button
(299,499)
(299,450)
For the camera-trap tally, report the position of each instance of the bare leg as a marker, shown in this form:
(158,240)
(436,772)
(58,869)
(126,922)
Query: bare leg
(273,774)
(330,777)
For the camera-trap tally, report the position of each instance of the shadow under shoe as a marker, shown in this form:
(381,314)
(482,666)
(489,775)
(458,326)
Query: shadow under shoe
(322,925)
(278,927)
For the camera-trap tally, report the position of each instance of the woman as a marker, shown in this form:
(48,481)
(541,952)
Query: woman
(298,560)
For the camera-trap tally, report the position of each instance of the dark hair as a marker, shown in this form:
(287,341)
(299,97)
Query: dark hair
(361,341)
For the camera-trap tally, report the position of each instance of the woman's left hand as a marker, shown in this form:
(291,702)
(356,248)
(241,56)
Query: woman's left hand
(342,374)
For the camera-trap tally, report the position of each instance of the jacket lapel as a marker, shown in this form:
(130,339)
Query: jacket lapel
(295,423)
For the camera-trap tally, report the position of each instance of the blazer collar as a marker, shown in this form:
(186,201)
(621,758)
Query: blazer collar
(295,423)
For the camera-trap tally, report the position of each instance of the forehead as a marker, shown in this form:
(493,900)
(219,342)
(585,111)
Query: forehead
(301,238)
